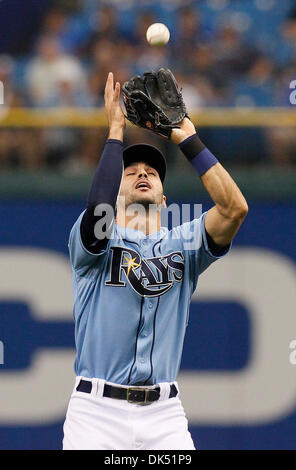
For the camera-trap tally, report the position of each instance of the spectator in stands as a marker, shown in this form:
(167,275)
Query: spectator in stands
(104,55)
(56,79)
(282,80)
(189,35)
(281,141)
(214,84)
(47,69)
(261,71)
(104,26)
(203,59)
(150,58)
(55,22)
(18,147)
(258,81)
(72,30)
(233,56)
(193,93)
(189,28)
(137,36)
(287,41)
(7,66)
(67,94)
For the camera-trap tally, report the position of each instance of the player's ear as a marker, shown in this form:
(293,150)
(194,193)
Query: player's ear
(163,201)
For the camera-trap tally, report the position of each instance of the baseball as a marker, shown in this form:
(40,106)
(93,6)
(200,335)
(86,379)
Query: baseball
(157,34)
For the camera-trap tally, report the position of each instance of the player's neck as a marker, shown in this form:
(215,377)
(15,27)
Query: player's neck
(149,223)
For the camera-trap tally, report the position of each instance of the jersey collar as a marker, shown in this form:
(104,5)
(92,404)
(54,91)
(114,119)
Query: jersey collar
(137,235)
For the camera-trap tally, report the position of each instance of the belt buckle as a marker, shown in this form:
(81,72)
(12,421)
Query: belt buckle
(132,389)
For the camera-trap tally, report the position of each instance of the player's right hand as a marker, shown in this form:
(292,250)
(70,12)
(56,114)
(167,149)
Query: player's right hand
(115,116)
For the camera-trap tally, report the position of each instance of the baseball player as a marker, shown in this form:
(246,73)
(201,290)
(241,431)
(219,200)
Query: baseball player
(133,279)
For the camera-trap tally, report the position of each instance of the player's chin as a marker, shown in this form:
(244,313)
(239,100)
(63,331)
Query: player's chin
(145,199)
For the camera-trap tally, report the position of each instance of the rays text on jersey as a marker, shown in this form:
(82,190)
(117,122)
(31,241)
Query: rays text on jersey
(149,277)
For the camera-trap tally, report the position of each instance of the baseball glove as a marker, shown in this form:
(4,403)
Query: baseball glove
(154,101)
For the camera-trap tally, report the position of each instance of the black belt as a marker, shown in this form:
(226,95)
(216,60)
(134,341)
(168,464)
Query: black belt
(131,394)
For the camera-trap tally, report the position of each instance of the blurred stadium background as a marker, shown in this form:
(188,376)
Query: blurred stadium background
(235,60)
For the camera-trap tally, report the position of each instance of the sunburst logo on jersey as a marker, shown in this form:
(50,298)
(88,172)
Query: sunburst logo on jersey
(131,264)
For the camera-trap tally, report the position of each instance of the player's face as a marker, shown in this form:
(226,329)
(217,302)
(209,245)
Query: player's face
(141,184)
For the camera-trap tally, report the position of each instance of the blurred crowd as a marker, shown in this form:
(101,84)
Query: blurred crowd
(67,61)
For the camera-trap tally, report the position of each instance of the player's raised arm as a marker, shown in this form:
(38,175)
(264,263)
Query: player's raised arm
(155,102)
(107,178)
(224,219)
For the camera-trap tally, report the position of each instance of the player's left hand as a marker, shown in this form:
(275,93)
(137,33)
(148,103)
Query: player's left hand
(154,101)
(186,129)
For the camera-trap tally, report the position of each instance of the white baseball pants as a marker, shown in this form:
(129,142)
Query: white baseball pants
(94,422)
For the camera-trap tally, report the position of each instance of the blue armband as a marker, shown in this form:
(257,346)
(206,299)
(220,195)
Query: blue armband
(198,155)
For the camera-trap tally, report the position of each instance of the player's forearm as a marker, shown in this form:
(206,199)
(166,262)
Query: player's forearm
(224,219)
(230,202)
(216,180)
(116,132)
(107,177)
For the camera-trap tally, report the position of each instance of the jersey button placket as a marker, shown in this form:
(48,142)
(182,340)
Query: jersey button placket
(144,345)
(145,247)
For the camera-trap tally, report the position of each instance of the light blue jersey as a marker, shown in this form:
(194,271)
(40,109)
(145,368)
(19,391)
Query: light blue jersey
(131,302)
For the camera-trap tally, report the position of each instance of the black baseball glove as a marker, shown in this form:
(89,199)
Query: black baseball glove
(154,101)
